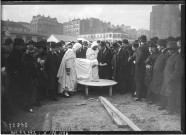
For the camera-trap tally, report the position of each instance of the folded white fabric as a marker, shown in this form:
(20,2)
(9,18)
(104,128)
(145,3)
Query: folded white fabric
(84,68)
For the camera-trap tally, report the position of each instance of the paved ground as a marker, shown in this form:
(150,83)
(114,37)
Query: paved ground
(80,113)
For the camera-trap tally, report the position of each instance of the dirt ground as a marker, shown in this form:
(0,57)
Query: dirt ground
(81,113)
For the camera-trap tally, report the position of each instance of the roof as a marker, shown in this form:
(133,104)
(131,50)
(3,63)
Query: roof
(12,24)
(57,38)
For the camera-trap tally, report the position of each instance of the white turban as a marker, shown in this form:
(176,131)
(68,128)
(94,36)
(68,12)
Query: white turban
(94,44)
(76,46)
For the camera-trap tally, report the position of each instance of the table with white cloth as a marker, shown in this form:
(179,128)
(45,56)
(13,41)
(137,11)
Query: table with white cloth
(99,83)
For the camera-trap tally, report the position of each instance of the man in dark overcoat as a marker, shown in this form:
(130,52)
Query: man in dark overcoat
(119,67)
(141,55)
(131,60)
(154,53)
(128,48)
(6,107)
(173,72)
(14,70)
(104,59)
(29,78)
(41,56)
(157,79)
(52,69)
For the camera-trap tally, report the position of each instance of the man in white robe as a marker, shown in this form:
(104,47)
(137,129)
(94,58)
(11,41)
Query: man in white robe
(67,71)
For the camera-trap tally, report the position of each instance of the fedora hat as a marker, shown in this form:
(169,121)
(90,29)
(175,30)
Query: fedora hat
(172,45)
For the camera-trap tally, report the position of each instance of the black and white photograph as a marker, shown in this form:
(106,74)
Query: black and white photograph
(95,67)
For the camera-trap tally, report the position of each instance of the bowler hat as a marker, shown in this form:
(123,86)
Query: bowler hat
(119,42)
(162,42)
(143,38)
(62,42)
(8,41)
(53,44)
(31,42)
(103,43)
(170,38)
(125,41)
(40,44)
(154,39)
(31,49)
(116,44)
(135,44)
(172,45)
(152,44)
(18,42)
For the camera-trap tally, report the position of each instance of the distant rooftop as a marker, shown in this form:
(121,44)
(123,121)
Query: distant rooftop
(12,24)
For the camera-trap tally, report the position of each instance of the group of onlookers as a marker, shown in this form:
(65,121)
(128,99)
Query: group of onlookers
(148,69)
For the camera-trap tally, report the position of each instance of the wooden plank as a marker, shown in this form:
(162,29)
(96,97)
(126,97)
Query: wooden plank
(115,118)
(122,116)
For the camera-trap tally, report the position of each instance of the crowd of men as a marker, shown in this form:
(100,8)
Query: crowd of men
(148,69)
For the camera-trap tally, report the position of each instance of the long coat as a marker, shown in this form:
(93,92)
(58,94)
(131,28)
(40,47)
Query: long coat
(149,71)
(29,79)
(157,79)
(104,56)
(52,69)
(141,55)
(14,68)
(42,76)
(173,72)
(119,62)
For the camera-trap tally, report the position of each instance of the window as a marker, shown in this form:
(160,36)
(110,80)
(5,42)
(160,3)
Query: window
(110,35)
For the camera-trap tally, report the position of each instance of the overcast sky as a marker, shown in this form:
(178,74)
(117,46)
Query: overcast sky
(136,16)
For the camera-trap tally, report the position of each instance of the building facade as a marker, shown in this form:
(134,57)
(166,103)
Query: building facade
(86,26)
(72,28)
(107,36)
(45,25)
(14,30)
(165,21)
